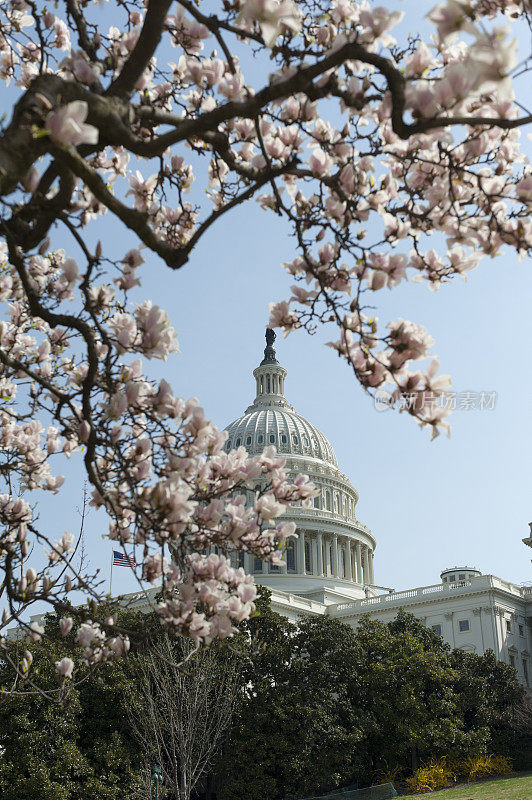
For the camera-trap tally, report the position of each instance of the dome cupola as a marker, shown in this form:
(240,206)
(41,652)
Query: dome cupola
(270,376)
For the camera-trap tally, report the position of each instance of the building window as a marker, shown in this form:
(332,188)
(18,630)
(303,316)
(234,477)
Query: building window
(525,671)
(512,661)
(248,440)
(463,625)
(437,629)
(331,559)
(316,502)
(305,441)
(228,445)
(257,565)
(238,442)
(328,500)
(294,438)
(452,578)
(521,631)
(461,577)
(284,439)
(290,556)
(308,565)
(341,564)
(508,626)
(260,438)
(272,438)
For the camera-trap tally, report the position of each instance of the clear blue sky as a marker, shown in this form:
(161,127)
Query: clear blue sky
(461,501)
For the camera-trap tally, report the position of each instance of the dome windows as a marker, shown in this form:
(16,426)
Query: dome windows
(228,444)
(238,442)
(283,428)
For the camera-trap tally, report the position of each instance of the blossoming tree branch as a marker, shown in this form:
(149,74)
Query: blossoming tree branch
(365,144)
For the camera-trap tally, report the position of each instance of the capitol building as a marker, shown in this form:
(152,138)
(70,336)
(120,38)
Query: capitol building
(329,565)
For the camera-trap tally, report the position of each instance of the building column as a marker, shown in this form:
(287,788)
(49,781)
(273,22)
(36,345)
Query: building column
(365,565)
(371,568)
(348,560)
(300,566)
(358,556)
(248,563)
(328,565)
(336,571)
(284,568)
(319,554)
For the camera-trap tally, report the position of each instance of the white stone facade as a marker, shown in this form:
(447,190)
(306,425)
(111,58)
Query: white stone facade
(329,567)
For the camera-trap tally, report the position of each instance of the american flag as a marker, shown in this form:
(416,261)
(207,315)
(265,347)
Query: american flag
(120,560)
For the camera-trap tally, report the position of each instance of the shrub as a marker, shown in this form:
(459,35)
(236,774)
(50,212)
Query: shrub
(435,775)
(388,774)
(473,768)
(444,772)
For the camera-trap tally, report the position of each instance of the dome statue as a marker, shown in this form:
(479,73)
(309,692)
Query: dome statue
(332,553)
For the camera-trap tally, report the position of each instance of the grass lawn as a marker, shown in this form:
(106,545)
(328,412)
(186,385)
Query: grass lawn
(514,787)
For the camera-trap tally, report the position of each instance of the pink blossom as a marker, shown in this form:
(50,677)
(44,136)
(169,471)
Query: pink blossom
(320,163)
(66,125)
(273,17)
(65,667)
(65,625)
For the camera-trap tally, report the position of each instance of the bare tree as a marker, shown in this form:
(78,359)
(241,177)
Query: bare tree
(184,709)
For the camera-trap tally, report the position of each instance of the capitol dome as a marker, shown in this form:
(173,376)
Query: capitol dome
(272,421)
(331,555)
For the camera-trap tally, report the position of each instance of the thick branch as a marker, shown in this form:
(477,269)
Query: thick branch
(79,21)
(147,43)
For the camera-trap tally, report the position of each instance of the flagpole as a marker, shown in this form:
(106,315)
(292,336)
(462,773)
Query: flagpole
(111,576)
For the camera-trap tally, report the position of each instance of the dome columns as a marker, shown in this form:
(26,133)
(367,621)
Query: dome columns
(358,559)
(319,554)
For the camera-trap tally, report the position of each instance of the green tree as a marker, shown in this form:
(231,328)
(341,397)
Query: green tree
(410,688)
(325,705)
(79,749)
(295,731)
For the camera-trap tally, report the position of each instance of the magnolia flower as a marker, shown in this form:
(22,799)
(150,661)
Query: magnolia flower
(320,163)
(65,667)
(66,125)
(452,16)
(65,625)
(272,17)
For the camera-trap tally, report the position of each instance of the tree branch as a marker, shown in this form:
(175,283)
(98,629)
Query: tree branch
(149,38)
